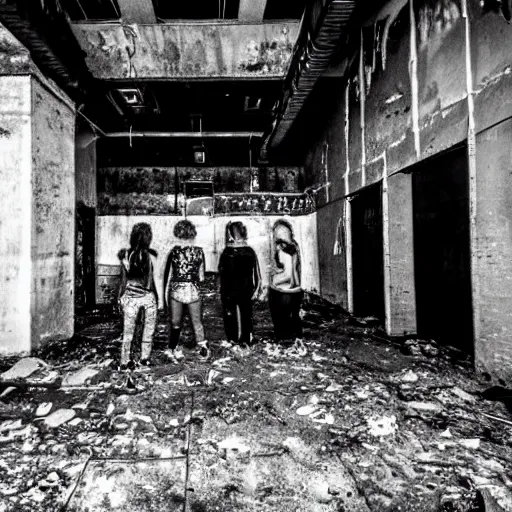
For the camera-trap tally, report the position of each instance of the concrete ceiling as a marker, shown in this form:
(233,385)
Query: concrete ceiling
(153,65)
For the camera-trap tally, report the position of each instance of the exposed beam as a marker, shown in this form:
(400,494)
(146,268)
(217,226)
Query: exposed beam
(177,51)
(137,11)
(251,10)
(194,135)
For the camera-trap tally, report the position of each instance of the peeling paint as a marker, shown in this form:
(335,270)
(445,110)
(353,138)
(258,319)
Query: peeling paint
(395,97)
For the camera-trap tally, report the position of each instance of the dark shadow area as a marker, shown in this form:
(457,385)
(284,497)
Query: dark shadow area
(442,251)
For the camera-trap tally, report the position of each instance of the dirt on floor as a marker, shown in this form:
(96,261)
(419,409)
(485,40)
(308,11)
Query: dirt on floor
(357,423)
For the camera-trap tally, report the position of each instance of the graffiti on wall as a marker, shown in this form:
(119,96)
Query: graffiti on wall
(264,204)
(152,191)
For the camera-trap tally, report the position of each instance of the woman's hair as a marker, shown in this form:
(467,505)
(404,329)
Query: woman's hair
(141,237)
(138,254)
(185,229)
(235,230)
(290,246)
(285,224)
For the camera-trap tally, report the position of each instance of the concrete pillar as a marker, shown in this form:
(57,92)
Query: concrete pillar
(492,252)
(400,294)
(36,205)
(15,214)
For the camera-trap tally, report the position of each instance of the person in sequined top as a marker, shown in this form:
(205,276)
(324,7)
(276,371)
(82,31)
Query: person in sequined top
(184,271)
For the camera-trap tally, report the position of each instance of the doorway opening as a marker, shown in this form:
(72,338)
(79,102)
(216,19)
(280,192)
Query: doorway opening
(442,249)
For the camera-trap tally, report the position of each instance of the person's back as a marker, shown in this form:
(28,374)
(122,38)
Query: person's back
(237,271)
(239,277)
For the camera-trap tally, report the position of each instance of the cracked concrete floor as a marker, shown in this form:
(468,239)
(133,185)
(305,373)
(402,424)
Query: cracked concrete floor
(356,424)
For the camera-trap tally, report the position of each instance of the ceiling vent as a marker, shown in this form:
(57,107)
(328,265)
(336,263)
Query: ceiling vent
(131,97)
(252,104)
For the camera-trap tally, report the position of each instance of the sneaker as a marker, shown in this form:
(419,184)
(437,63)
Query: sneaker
(174,355)
(131,365)
(145,363)
(204,350)
(300,347)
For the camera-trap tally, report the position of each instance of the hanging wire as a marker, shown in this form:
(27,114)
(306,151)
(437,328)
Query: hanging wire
(224,10)
(82,9)
(118,14)
(131,136)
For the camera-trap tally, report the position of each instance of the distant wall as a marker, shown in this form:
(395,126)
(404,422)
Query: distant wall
(153,191)
(113,233)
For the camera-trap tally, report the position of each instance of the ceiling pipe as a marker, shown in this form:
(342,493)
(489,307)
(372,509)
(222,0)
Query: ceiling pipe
(197,135)
(317,43)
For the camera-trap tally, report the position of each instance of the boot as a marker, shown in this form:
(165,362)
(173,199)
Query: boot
(174,353)
(174,337)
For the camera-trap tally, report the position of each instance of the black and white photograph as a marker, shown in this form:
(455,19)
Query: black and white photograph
(256,255)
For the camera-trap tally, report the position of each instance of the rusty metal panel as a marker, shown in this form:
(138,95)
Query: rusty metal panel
(187,50)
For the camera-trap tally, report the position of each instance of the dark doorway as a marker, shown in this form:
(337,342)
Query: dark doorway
(84,257)
(442,249)
(367,253)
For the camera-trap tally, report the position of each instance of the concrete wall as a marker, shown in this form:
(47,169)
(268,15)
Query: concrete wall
(53,227)
(113,233)
(493,250)
(187,50)
(442,76)
(15,213)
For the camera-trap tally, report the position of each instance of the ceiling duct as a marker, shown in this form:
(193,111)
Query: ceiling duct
(321,31)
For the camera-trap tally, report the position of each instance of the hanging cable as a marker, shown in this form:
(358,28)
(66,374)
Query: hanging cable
(130,135)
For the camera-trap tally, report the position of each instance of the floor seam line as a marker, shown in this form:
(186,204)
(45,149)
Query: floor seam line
(187,462)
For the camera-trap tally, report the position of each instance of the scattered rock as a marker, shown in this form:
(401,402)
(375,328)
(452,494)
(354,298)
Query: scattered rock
(22,369)
(306,410)
(463,394)
(81,377)
(424,406)
(43,409)
(409,376)
(383,426)
(59,417)
(470,443)
(320,491)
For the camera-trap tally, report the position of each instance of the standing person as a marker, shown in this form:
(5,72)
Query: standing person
(137,290)
(285,292)
(239,275)
(183,272)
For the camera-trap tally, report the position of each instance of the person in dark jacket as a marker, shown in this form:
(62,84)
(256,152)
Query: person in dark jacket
(137,290)
(239,275)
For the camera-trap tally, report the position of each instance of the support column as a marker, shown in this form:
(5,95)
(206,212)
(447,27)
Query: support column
(37,209)
(400,294)
(15,214)
(492,252)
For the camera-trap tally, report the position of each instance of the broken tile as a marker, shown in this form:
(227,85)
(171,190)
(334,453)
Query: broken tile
(59,417)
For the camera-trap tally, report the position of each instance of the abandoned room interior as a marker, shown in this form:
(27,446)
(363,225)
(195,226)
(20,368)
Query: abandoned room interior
(378,133)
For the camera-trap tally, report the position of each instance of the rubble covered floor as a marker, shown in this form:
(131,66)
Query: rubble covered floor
(357,423)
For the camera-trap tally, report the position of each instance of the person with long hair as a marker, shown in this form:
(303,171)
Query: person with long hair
(285,292)
(137,290)
(184,270)
(239,276)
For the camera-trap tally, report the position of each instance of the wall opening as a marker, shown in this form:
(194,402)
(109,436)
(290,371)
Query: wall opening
(367,253)
(442,249)
(85,255)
